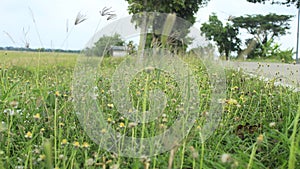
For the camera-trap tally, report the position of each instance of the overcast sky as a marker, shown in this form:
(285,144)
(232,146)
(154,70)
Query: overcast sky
(51,17)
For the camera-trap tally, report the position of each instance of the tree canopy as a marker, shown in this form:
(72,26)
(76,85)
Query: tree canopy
(177,35)
(224,36)
(263,27)
(103,45)
(282,2)
(183,8)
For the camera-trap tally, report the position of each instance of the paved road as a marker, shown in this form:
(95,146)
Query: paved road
(285,73)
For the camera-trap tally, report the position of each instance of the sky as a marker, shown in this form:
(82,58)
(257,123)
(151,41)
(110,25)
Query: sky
(45,23)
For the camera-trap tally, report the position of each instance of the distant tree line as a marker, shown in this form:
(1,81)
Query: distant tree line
(10,48)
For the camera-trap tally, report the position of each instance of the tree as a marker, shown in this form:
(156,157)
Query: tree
(131,48)
(185,9)
(103,45)
(263,28)
(285,2)
(224,36)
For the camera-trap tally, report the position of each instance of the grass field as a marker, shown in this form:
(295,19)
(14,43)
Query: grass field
(40,129)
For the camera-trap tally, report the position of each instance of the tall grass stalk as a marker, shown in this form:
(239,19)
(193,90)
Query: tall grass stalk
(293,146)
(252,156)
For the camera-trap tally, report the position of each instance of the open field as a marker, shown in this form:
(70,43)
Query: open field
(39,127)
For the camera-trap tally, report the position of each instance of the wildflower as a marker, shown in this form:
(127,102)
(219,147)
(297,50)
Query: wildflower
(234,88)
(260,138)
(28,135)
(80,18)
(199,127)
(114,166)
(205,114)
(112,16)
(103,131)
(42,157)
(132,125)
(76,144)
(57,93)
(225,158)
(164,120)
(89,162)
(110,105)
(272,124)
(42,130)
(109,120)
(85,145)
(61,157)
(162,126)
(14,104)
(64,142)
(121,125)
(105,11)
(232,101)
(37,116)
(61,124)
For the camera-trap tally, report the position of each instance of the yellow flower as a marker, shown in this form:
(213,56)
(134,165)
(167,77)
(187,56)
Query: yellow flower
(122,125)
(103,131)
(260,138)
(232,101)
(64,142)
(110,105)
(42,157)
(164,120)
(61,124)
(42,130)
(28,135)
(57,93)
(76,144)
(37,116)
(109,120)
(234,88)
(85,145)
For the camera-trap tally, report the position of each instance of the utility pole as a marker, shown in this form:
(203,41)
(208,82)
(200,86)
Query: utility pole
(297,49)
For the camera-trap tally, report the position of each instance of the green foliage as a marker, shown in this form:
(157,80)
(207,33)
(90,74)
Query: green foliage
(182,8)
(263,28)
(271,51)
(131,47)
(286,2)
(103,45)
(224,36)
